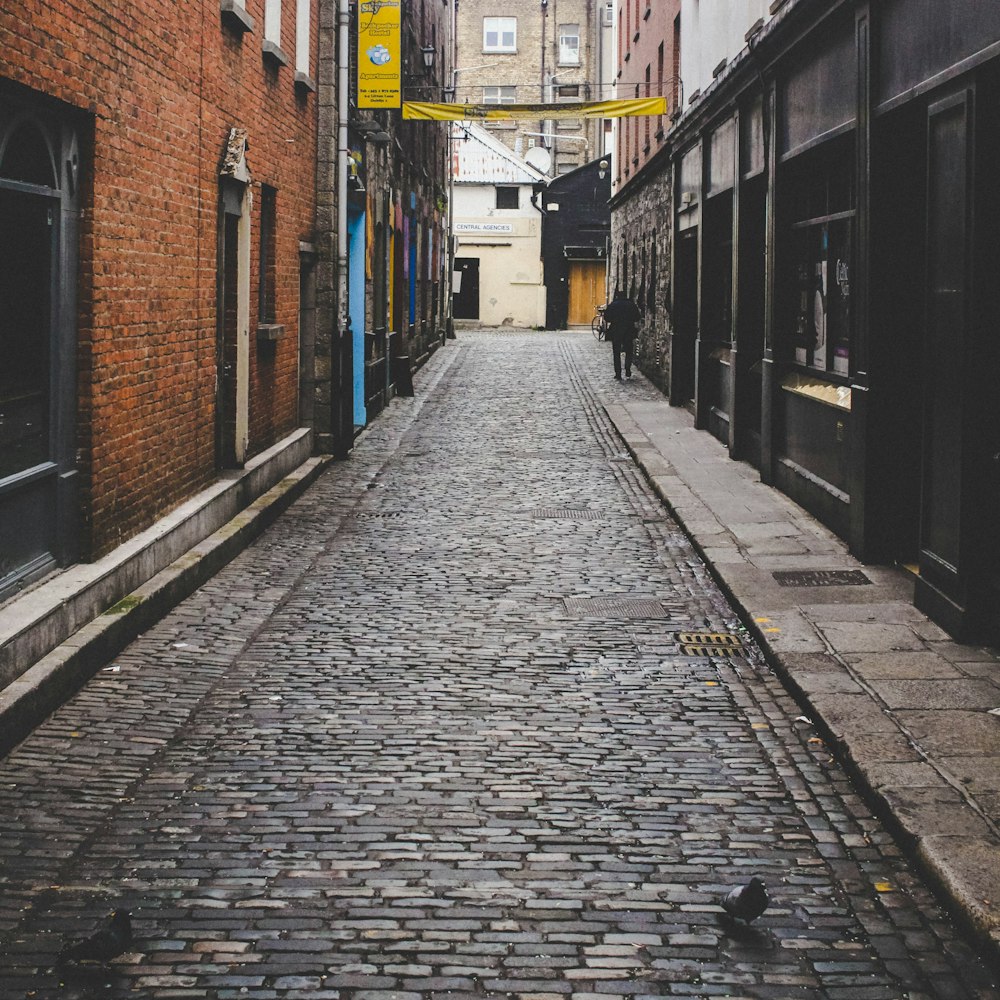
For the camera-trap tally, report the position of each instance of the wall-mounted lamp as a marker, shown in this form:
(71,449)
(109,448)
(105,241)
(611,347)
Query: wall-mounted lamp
(428,53)
(602,169)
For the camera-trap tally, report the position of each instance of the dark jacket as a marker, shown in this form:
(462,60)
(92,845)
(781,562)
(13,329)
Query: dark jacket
(622,317)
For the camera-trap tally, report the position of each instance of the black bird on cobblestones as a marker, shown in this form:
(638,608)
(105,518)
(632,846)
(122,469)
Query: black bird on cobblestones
(747,902)
(102,946)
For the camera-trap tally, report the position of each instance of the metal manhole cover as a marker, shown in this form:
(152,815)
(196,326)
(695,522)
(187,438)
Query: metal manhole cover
(821,578)
(619,607)
(567,513)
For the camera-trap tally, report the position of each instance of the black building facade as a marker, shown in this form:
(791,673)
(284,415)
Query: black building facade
(834,280)
(575,229)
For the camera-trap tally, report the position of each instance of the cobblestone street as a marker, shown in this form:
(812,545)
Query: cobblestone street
(436,735)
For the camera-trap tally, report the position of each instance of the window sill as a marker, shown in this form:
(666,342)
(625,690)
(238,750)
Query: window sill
(235,17)
(267,333)
(305,83)
(499,52)
(273,54)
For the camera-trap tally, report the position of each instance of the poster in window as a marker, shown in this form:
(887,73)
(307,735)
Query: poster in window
(819,300)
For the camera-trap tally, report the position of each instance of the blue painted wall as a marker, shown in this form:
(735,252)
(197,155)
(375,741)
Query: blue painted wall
(356,300)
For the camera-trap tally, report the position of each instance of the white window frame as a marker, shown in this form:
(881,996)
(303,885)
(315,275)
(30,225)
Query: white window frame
(500,26)
(569,55)
(302,25)
(498,95)
(272,21)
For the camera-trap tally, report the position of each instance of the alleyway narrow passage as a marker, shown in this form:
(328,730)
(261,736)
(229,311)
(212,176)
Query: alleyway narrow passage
(435,735)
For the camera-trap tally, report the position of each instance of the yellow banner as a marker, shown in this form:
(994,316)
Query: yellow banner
(378,54)
(425,111)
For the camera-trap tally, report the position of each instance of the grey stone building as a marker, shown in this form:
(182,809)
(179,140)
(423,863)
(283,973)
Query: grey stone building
(641,243)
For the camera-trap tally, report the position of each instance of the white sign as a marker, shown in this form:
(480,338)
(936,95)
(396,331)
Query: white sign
(484,227)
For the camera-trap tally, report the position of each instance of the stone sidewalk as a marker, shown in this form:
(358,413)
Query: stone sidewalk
(914,713)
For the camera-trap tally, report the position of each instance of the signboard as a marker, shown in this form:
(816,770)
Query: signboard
(426,111)
(484,227)
(379,80)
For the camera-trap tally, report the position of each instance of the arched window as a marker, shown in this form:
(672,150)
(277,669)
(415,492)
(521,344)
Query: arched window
(27,157)
(651,287)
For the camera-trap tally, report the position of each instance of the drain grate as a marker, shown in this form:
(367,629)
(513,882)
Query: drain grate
(619,607)
(567,513)
(379,513)
(821,578)
(710,644)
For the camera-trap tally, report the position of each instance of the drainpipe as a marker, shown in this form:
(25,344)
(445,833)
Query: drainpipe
(344,362)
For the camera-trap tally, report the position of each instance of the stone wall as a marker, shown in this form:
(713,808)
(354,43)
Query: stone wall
(640,259)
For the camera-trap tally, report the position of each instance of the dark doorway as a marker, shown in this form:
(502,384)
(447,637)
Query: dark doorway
(685,318)
(227,327)
(942,569)
(467,295)
(39,209)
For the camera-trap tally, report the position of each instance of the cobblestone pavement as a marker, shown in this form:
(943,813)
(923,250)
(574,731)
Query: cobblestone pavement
(400,749)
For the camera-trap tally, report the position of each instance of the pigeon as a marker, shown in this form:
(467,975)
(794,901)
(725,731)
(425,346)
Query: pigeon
(105,944)
(747,902)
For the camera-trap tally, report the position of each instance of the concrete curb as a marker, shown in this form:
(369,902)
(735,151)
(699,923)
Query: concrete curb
(49,682)
(961,866)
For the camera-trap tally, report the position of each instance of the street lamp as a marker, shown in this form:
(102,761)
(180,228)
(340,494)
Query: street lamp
(428,53)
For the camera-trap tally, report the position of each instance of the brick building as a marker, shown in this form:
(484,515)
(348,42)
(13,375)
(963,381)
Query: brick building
(157,202)
(533,51)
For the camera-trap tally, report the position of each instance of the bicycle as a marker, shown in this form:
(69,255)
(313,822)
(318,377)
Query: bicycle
(598,326)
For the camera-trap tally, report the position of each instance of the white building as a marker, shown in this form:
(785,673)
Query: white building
(714,33)
(497,231)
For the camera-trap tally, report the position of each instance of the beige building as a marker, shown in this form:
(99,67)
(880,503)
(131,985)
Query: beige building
(497,228)
(539,51)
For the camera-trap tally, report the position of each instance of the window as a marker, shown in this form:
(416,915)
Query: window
(508,197)
(302,37)
(499,95)
(268,266)
(571,90)
(569,44)
(272,21)
(499,34)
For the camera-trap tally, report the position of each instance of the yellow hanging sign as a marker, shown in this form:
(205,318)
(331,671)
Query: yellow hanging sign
(379,79)
(426,111)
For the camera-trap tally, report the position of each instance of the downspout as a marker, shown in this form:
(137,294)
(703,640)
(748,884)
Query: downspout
(544,83)
(344,406)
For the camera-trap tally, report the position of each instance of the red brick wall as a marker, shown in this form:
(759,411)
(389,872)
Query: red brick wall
(164,82)
(639,139)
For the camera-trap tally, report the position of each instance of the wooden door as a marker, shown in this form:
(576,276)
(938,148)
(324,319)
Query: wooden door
(586,290)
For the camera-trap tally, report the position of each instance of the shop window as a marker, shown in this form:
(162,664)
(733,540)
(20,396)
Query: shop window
(507,197)
(818,258)
(499,34)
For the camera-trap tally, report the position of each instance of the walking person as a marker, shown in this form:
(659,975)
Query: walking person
(622,317)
